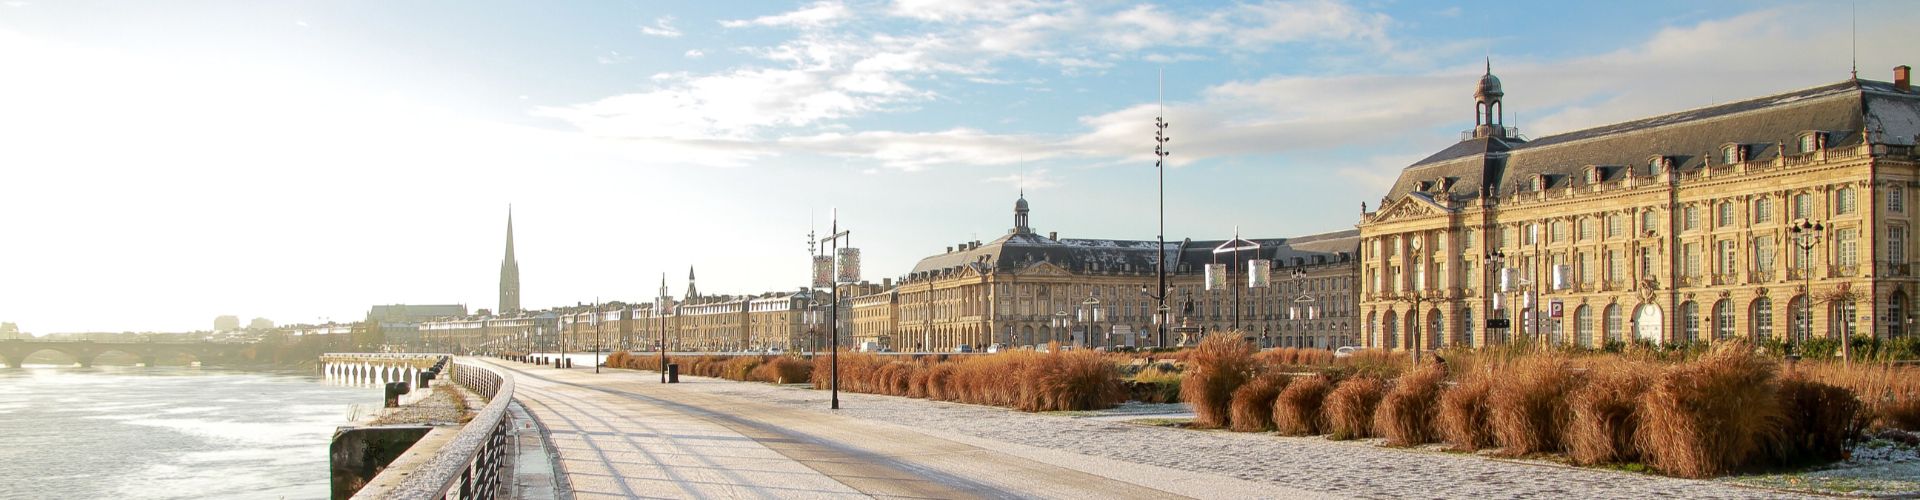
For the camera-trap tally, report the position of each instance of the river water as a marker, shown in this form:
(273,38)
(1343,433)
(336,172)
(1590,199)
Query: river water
(168,432)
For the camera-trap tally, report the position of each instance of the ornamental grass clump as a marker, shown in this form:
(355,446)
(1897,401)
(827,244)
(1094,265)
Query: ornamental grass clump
(1215,369)
(1712,416)
(1350,407)
(1465,422)
(1076,380)
(1528,406)
(1606,412)
(1820,418)
(783,370)
(1409,413)
(1299,410)
(1889,394)
(1253,402)
(1295,356)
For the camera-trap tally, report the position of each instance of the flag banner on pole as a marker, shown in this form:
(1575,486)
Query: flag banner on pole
(849,265)
(1216,276)
(1259,273)
(822,271)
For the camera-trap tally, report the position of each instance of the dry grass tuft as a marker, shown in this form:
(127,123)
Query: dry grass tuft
(1890,394)
(1711,417)
(1820,418)
(1606,412)
(1350,407)
(1253,402)
(1528,405)
(1409,414)
(1215,369)
(1465,422)
(1299,409)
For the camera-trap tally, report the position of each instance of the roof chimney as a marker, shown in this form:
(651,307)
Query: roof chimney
(949,248)
(1053,235)
(1900,80)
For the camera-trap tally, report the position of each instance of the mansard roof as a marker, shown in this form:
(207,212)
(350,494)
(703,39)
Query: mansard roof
(1851,113)
(1015,252)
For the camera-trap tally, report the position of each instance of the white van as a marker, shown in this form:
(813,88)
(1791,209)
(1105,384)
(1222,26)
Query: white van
(869,346)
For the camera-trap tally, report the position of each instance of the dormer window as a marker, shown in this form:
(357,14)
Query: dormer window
(1733,153)
(1540,182)
(1593,174)
(1812,141)
(1425,186)
(1656,165)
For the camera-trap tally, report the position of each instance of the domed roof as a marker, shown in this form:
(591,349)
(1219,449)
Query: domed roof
(1489,84)
(1021,205)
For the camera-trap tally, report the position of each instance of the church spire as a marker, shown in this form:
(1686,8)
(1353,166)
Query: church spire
(693,292)
(509,273)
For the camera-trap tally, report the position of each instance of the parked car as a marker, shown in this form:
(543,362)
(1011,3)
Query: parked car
(1346,351)
(869,346)
(775,351)
(963,348)
(996,347)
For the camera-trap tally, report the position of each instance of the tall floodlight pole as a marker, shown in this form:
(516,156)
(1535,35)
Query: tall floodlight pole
(660,311)
(596,335)
(833,316)
(1160,153)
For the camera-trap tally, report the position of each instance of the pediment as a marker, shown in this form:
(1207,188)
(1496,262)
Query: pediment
(1044,268)
(1412,206)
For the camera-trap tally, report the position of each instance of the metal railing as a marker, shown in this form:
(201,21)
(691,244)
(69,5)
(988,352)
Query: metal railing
(469,465)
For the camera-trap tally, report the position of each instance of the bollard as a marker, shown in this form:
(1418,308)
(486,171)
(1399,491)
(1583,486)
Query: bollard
(426,377)
(394,390)
(673,373)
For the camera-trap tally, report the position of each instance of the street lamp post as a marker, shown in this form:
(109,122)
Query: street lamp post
(1160,154)
(833,317)
(1060,322)
(596,334)
(1091,314)
(1807,235)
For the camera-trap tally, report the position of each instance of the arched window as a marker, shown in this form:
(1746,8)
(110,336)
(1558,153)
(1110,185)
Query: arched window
(1466,327)
(1387,331)
(1897,320)
(1762,314)
(1583,326)
(1801,325)
(1690,322)
(1616,324)
(1723,319)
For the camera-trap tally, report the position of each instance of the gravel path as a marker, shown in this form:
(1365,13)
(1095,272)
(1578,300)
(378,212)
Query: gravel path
(1347,469)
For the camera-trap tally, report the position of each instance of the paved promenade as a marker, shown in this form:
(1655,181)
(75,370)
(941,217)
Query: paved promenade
(622,434)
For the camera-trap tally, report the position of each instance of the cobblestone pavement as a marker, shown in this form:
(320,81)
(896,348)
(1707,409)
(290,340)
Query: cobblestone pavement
(1344,469)
(622,434)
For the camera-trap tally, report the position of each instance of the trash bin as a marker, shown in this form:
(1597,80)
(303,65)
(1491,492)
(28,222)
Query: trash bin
(673,373)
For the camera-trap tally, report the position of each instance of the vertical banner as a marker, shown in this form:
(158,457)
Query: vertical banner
(822,271)
(849,265)
(1259,273)
(1216,276)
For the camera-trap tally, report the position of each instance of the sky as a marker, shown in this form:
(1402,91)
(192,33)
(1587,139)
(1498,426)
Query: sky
(163,163)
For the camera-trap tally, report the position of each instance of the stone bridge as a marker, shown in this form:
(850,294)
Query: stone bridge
(15,352)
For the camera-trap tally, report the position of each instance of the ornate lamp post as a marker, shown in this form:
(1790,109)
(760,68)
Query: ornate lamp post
(1091,314)
(1060,322)
(1806,235)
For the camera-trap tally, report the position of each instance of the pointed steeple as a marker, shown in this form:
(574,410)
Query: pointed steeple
(693,292)
(509,273)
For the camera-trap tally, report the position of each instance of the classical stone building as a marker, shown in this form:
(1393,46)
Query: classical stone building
(1028,289)
(876,316)
(1687,227)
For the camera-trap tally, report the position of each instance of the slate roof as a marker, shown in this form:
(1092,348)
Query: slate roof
(1017,251)
(1850,112)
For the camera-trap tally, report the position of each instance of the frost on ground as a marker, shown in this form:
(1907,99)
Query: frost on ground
(1886,464)
(1348,469)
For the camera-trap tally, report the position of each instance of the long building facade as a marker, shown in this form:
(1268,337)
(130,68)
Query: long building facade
(1780,217)
(1025,289)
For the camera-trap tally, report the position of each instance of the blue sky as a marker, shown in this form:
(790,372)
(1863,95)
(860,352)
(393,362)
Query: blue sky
(168,162)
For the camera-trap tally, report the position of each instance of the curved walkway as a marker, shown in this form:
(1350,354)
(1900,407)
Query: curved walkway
(621,434)
(730,439)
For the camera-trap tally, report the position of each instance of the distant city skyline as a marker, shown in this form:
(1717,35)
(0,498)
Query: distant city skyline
(304,162)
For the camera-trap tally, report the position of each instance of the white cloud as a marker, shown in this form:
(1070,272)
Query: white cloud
(817,15)
(913,151)
(612,57)
(662,27)
(695,54)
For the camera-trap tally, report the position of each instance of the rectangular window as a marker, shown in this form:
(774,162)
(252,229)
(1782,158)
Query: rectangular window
(1727,263)
(1615,227)
(1849,247)
(1726,215)
(1586,269)
(1616,268)
(1763,210)
(1558,231)
(1646,263)
(1897,245)
(1802,206)
(1690,218)
(1896,199)
(1843,201)
(1647,222)
(1763,254)
(1690,259)
(1466,238)
(1586,228)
